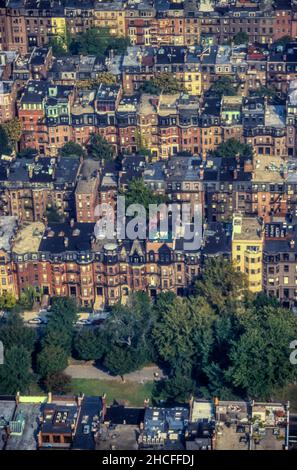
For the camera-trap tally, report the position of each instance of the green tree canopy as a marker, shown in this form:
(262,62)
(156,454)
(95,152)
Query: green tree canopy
(59,46)
(283,41)
(90,344)
(224,86)
(97,42)
(260,359)
(51,359)
(106,78)
(176,389)
(15,333)
(99,149)
(28,152)
(60,327)
(28,297)
(58,383)
(241,38)
(231,148)
(7,301)
(175,330)
(15,374)
(139,193)
(128,329)
(13,129)
(120,360)
(72,149)
(5,147)
(220,284)
(53,215)
(163,82)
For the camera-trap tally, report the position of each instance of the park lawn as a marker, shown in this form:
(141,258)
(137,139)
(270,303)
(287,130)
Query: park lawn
(131,393)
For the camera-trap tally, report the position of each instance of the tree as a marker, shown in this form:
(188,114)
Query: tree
(51,359)
(231,148)
(120,360)
(128,328)
(283,41)
(106,78)
(99,149)
(13,130)
(60,327)
(56,344)
(97,42)
(220,284)
(118,44)
(72,149)
(267,92)
(15,373)
(139,193)
(28,152)
(176,389)
(175,332)
(4,142)
(15,333)
(7,301)
(53,215)
(163,302)
(59,46)
(90,344)
(142,144)
(128,324)
(241,38)
(260,359)
(224,86)
(28,297)
(213,349)
(163,82)
(58,383)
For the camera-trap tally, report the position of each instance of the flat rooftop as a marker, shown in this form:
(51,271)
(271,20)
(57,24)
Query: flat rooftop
(167,104)
(8,225)
(86,186)
(28,238)
(28,440)
(269,169)
(275,116)
(146,103)
(7,408)
(247,228)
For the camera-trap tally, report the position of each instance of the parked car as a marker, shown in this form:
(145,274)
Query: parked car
(35,321)
(83,322)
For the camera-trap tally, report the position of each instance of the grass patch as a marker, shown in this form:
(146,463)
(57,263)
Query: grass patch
(131,393)
(288,393)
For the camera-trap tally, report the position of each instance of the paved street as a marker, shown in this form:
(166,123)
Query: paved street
(89,371)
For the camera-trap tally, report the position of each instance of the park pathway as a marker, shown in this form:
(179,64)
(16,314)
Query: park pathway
(90,371)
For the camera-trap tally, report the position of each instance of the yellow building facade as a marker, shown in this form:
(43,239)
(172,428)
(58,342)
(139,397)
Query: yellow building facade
(58,26)
(247,249)
(111,17)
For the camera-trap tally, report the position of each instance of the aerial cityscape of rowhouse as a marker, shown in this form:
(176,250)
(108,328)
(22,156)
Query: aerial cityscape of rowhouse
(148,224)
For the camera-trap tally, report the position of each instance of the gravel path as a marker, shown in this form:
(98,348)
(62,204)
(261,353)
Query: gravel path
(89,371)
